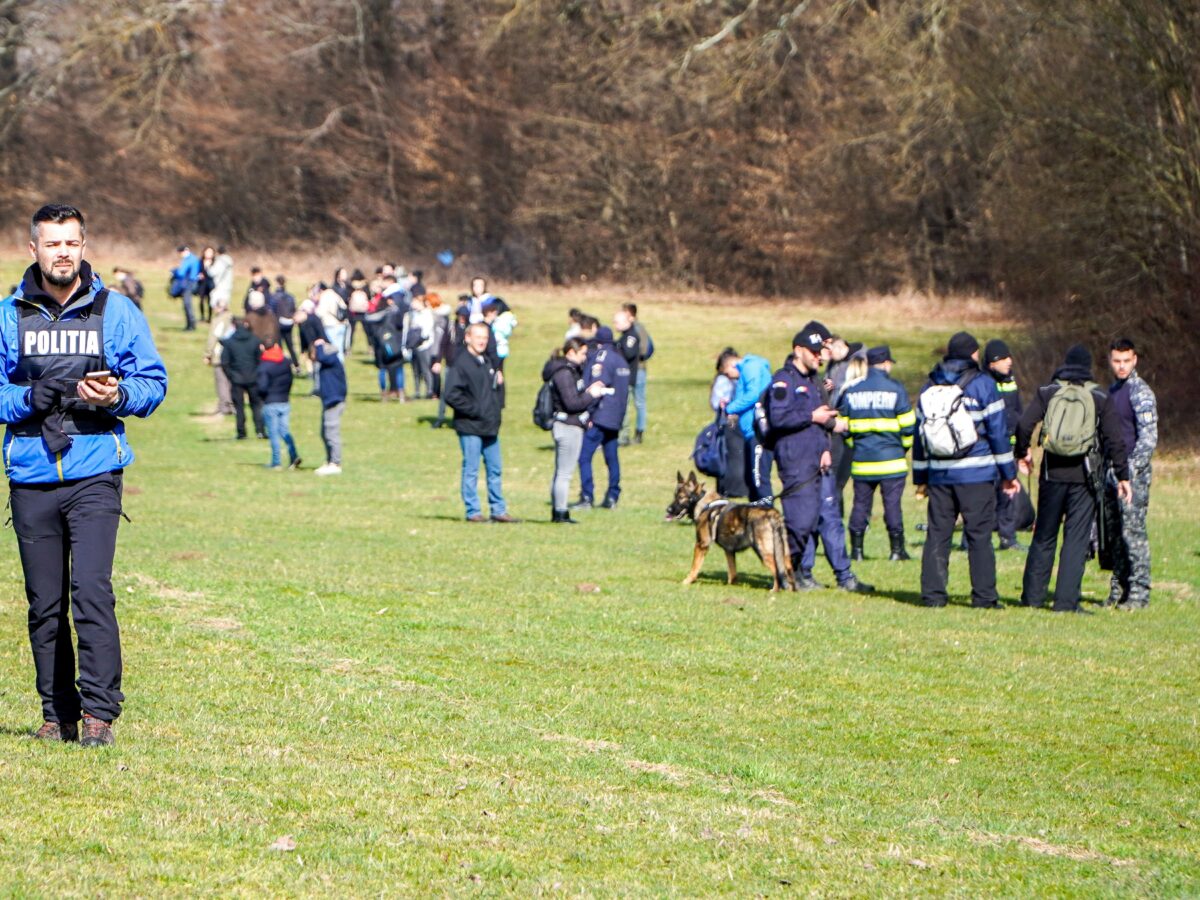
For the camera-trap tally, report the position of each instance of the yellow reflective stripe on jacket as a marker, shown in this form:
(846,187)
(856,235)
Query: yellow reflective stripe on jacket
(906,441)
(1006,387)
(882,467)
(861,426)
(907,419)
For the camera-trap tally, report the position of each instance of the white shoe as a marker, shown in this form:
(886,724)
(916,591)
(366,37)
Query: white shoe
(329,469)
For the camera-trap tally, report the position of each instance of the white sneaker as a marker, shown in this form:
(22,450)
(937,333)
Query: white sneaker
(329,469)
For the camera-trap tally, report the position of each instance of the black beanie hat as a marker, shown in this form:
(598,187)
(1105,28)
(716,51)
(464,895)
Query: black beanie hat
(1080,356)
(961,346)
(995,350)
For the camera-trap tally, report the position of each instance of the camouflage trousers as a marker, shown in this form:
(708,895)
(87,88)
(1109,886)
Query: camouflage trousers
(1131,557)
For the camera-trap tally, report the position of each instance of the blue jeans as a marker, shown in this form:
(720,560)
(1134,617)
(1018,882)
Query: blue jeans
(636,405)
(475,448)
(832,532)
(391,375)
(279,431)
(337,338)
(594,438)
(189,317)
(639,397)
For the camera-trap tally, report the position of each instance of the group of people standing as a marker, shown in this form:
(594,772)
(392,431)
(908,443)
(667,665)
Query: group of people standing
(834,412)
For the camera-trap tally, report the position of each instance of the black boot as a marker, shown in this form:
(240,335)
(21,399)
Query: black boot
(899,554)
(856,550)
(563,517)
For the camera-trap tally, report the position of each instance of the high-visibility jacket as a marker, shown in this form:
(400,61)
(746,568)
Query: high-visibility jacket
(882,423)
(1009,393)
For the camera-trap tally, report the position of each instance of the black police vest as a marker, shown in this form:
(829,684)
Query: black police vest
(66,350)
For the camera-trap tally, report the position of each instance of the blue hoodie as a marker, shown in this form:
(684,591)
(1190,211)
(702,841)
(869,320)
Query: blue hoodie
(754,377)
(991,456)
(332,383)
(129,351)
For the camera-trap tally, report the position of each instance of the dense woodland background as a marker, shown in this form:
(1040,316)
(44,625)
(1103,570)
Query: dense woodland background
(1047,153)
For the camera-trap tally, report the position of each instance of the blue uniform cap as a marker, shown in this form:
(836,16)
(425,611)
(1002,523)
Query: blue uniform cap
(880,354)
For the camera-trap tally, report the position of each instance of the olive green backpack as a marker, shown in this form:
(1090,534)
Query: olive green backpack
(1069,426)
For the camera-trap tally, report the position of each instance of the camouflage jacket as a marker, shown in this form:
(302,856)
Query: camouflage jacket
(1145,415)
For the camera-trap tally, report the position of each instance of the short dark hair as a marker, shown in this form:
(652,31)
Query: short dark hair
(281,280)
(1123,344)
(630,308)
(181,248)
(220,249)
(56,213)
(254,269)
(418,274)
(586,321)
(571,344)
(725,355)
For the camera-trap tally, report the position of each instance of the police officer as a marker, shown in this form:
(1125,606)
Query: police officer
(606,365)
(798,415)
(962,484)
(1065,497)
(881,425)
(1137,411)
(999,362)
(831,529)
(64,452)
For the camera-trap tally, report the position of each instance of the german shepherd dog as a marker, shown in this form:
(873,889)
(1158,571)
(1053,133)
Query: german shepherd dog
(733,527)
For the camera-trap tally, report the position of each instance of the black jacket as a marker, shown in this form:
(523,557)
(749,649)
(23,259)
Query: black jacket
(473,394)
(239,356)
(570,400)
(1072,469)
(274,380)
(630,343)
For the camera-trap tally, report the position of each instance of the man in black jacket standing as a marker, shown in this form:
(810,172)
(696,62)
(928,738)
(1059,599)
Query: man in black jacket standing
(239,358)
(473,391)
(1065,496)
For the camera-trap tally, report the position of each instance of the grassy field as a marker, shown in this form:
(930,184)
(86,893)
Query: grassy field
(414,705)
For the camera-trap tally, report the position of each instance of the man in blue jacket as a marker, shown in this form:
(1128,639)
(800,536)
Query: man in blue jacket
(186,276)
(64,453)
(962,482)
(751,375)
(606,365)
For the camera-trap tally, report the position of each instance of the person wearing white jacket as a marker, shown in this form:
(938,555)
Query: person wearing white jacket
(418,339)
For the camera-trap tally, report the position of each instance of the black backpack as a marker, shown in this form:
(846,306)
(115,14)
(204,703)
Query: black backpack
(388,341)
(709,451)
(543,407)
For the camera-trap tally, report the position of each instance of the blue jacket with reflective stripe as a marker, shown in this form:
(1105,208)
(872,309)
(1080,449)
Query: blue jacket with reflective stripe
(990,457)
(881,423)
(754,377)
(128,350)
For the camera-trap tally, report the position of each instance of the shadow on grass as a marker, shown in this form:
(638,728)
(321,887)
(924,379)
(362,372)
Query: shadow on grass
(756,580)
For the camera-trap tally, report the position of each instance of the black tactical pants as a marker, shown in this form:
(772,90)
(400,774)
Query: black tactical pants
(976,503)
(241,393)
(67,534)
(1059,502)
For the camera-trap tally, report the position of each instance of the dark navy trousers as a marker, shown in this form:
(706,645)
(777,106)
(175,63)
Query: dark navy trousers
(829,527)
(892,491)
(67,535)
(607,438)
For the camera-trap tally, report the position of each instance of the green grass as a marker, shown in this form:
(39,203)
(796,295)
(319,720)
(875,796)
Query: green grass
(430,707)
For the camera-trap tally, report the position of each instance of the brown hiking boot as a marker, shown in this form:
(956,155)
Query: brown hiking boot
(96,732)
(57,731)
